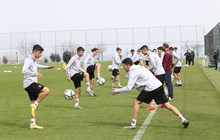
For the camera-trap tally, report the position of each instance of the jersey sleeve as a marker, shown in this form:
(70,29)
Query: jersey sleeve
(25,69)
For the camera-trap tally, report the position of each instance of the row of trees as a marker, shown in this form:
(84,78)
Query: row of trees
(26,48)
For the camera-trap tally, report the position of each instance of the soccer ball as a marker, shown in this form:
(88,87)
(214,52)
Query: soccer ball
(69,94)
(110,68)
(101,81)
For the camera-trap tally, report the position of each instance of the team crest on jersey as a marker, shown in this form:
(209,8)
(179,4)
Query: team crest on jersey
(39,86)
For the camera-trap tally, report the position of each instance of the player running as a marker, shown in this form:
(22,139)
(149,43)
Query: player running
(90,66)
(150,88)
(37,92)
(75,73)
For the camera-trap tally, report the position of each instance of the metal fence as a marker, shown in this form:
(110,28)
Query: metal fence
(15,46)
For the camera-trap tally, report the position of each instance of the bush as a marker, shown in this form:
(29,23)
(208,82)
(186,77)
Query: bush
(45,60)
(55,57)
(66,56)
(5,59)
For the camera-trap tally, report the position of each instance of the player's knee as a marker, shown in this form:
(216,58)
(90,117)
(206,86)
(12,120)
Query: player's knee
(78,90)
(136,102)
(46,90)
(168,106)
(98,65)
(86,74)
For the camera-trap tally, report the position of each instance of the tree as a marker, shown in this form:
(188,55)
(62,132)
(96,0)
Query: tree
(198,48)
(68,46)
(25,48)
(195,47)
(102,48)
(5,59)
(45,60)
(55,57)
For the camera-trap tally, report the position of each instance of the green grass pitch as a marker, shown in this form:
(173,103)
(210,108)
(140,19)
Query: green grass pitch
(104,116)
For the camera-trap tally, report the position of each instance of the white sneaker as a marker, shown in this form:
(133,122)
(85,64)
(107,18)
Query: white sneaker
(91,93)
(78,107)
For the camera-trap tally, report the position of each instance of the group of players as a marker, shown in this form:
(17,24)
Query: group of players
(148,81)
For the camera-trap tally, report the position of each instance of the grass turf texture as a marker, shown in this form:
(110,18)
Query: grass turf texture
(104,117)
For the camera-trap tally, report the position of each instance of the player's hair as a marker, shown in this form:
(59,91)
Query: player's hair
(79,49)
(94,49)
(144,47)
(160,48)
(37,47)
(165,45)
(175,48)
(171,48)
(118,49)
(132,50)
(127,61)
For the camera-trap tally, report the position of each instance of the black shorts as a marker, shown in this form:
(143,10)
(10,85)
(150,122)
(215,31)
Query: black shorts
(177,70)
(33,90)
(77,78)
(158,95)
(115,72)
(161,78)
(137,62)
(90,69)
(147,62)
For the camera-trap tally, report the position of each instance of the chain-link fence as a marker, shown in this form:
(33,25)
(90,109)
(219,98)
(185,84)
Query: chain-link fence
(16,46)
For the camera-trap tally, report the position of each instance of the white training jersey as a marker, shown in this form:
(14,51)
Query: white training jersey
(176,59)
(155,64)
(116,61)
(136,57)
(90,60)
(73,66)
(141,79)
(29,70)
(161,56)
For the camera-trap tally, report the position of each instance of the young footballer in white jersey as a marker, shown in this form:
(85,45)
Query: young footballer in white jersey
(36,91)
(75,73)
(177,67)
(137,59)
(150,88)
(116,61)
(155,67)
(90,66)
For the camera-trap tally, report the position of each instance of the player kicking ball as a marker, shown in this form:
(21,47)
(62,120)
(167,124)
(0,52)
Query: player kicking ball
(75,73)
(150,88)
(36,91)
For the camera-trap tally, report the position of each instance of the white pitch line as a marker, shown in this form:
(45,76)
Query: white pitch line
(144,125)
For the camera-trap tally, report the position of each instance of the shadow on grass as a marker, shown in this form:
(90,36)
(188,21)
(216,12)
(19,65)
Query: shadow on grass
(12,124)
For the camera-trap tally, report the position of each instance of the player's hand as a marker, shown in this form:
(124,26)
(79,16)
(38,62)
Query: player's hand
(51,67)
(68,79)
(113,92)
(38,74)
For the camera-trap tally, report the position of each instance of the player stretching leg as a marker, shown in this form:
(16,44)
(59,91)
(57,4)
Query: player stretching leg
(36,91)
(150,88)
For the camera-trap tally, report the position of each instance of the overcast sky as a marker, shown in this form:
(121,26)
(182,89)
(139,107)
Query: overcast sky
(46,15)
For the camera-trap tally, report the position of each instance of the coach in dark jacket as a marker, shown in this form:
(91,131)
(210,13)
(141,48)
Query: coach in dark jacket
(191,57)
(215,57)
